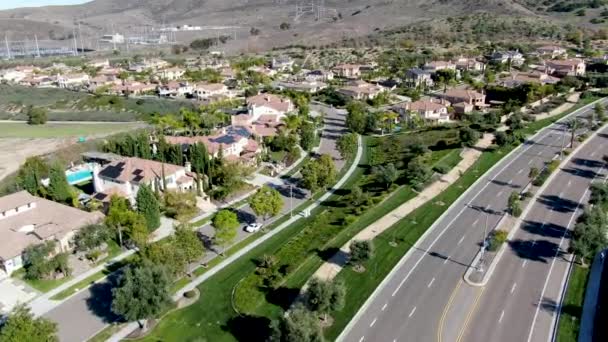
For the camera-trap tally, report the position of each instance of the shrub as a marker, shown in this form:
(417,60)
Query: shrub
(443,169)
(497,238)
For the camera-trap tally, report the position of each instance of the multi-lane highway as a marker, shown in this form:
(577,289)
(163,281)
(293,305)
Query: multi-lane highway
(411,302)
(521,300)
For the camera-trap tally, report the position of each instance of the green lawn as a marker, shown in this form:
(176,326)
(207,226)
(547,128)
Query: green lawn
(50,130)
(570,317)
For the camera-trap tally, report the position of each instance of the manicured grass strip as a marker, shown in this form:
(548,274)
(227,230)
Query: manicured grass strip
(572,308)
(42,285)
(406,232)
(106,333)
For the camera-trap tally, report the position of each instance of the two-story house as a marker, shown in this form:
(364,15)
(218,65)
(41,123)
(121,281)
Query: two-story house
(361,90)
(126,175)
(203,91)
(435,112)
(469,98)
(416,77)
(515,57)
(347,70)
(567,67)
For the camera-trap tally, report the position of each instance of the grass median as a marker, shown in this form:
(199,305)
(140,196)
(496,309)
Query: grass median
(572,307)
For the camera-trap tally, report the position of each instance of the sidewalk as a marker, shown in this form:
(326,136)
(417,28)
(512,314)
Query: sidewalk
(469,156)
(130,327)
(43,303)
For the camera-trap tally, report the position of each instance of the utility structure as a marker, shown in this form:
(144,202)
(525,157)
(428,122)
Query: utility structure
(316,8)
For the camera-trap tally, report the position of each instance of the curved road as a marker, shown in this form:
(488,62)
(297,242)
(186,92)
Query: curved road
(409,303)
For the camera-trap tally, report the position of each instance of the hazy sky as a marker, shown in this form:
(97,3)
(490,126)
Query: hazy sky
(6,4)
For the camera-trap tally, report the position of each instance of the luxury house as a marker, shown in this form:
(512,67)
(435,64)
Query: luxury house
(27,220)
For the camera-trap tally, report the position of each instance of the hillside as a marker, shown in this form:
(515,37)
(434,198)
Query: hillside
(348,18)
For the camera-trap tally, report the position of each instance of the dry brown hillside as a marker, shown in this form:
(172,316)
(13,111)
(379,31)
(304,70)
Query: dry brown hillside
(351,17)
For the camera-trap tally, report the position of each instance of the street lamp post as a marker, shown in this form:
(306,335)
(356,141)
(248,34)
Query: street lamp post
(290,200)
(482,249)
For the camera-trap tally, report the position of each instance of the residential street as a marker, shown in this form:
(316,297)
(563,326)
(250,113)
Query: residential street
(408,306)
(86,313)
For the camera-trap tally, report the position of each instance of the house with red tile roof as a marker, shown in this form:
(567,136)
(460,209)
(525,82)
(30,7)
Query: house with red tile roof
(126,175)
(429,110)
(567,67)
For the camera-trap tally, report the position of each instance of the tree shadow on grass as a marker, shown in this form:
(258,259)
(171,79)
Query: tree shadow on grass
(248,328)
(334,255)
(282,296)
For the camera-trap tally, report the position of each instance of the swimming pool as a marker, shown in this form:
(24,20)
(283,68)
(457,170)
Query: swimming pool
(79,176)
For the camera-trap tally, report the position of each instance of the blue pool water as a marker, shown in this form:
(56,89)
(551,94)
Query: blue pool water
(79,176)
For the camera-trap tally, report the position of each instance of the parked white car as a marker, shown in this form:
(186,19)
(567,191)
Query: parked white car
(253,227)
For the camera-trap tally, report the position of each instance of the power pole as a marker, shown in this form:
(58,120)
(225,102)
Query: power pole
(37,47)
(80,36)
(75,43)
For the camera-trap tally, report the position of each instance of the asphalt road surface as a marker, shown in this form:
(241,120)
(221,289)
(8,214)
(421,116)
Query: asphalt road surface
(88,312)
(521,300)
(410,304)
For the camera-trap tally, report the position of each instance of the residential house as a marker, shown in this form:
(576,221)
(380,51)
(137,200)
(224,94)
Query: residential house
(516,57)
(475,99)
(567,67)
(264,70)
(417,77)
(148,64)
(103,81)
(435,66)
(27,220)
(361,90)
(319,76)
(517,78)
(40,81)
(551,51)
(175,89)
(203,91)
(303,86)
(235,143)
(132,88)
(282,63)
(435,112)
(72,80)
(125,176)
(271,107)
(469,64)
(347,70)
(171,74)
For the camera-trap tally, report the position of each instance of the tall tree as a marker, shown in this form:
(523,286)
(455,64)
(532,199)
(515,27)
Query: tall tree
(266,202)
(91,237)
(387,175)
(21,325)
(188,242)
(59,189)
(226,224)
(347,145)
(573,125)
(148,207)
(36,115)
(360,251)
(356,119)
(30,175)
(307,136)
(142,292)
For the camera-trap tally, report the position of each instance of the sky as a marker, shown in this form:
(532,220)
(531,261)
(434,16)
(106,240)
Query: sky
(8,4)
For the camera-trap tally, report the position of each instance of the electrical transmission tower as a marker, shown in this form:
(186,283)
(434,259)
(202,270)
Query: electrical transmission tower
(316,8)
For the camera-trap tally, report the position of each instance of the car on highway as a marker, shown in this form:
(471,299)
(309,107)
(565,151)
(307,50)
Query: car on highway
(253,227)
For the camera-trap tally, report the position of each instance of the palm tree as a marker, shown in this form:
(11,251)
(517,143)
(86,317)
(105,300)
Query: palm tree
(388,120)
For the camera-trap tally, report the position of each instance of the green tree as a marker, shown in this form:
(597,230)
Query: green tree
(468,136)
(347,145)
(360,252)
(142,292)
(514,204)
(299,325)
(188,242)
(226,224)
(307,136)
(127,224)
(59,189)
(325,296)
(35,260)
(573,125)
(92,237)
(600,111)
(266,202)
(36,115)
(533,173)
(327,170)
(148,207)
(417,173)
(387,175)
(21,325)
(515,122)
(180,205)
(356,119)
(30,175)
(590,234)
